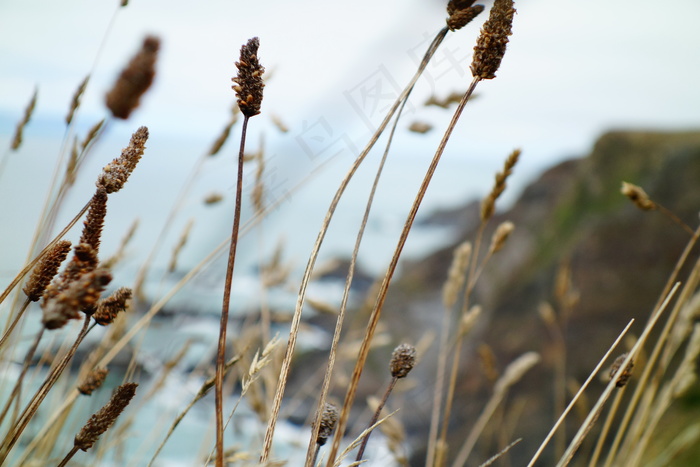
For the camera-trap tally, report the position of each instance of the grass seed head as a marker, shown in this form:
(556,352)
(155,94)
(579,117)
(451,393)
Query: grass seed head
(402,360)
(105,417)
(622,376)
(93,381)
(108,308)
(491,44)
(92,227)
(461,18)
(638,196)
(454,6)
(19,131)
(329,419)
(249,82)
(115,174)
(134,81)
(75,102)
(80,294)
(46,270)
(488,204)
(500,236)
(83,261)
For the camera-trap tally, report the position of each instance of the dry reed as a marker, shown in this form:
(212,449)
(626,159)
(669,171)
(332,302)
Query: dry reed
(249,90)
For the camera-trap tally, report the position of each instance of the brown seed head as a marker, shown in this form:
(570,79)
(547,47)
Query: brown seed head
(491,44)
(93,133)
(329,419)
(72,165)
(105,417)
(93,381)
(92,227)
(46,270)
(19,131)
(624,375)
(76,99)
(402,360)
(108,308)
(115,174)
(83,261)
(638,196)
(219,143)
(500,236)
(80,294)
(488,205)
(461,18)
(454,6)
(249,82)
(135,80)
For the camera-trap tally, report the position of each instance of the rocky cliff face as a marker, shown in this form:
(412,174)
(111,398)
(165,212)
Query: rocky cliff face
(619,259)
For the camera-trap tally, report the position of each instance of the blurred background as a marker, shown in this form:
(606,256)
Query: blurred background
(572,71)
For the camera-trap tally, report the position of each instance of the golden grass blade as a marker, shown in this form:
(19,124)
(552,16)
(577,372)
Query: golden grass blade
(595,411)
(578,394)
(348,280)
(642,386)
(512,374)
(376,312)
(296,319)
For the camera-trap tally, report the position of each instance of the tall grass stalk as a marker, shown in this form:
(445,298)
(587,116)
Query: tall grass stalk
(353,259)
(578,394)
(595,411)
(296,319)
(376,312)
(642,387)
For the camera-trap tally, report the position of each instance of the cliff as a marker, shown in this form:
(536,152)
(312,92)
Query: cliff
(618,258)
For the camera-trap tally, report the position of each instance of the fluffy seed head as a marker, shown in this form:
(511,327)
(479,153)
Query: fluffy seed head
(249,82)
(135,80)
(329,419)
(491,44)
(115,174)
(105,417)
(402,360)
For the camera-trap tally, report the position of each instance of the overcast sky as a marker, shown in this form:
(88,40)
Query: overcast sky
(572,71)
(573,68)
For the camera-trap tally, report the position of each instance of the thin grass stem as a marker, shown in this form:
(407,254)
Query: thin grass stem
(221,351)
(31,409)
(595,411)
(376,312)
(573,401)
(346,291)
(296,319)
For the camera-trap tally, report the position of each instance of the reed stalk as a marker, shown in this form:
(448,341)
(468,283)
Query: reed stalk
(376,312)
(296,319)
